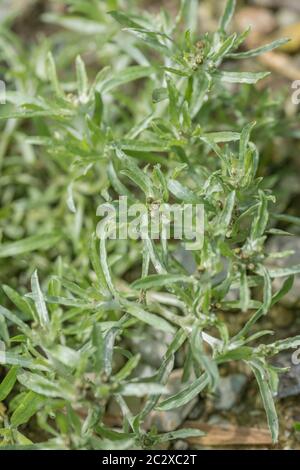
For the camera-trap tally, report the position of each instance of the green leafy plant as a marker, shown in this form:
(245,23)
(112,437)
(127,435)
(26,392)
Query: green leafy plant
(65,343)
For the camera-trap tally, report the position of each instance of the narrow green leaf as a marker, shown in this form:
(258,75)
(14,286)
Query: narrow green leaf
(179,434)
(9,358)
(118,186)
(129,21)
(20,302)
(225,48)
(111,434)
(227,15)
(224,136)
(143,146)
(173,102)
(130,74)
(237,354)
(108,350)
(259,50)
(150,39)
(242,77)
(8,382)
(15,320)
(287,218)
(265,306)
(28,407)
(186,395)
(98,343)
(4,334)
(245,135)
(226,214)
(150,318)
(159,94)
(67,356)
(289,343)
(52,73)
(162,377)
(181,192)
(138,389)
(36,242)
(8,112)
(160,181)
(159,280)
(261,375)
(140,179)
(282,272)
(202,358)
(261,220)
(95,261)
(127,369)
(98,109)
(39,384)
(82,80)
(285,288)
(39,301)
(136,175)
(244,291)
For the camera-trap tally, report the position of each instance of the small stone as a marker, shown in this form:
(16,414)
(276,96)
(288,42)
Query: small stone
(186,258)
(232,295)
(197,410)
(135,404)
(144,371)
(152,346)
(166,421)
(289,382)
(181,445)
(206,20)
(218,420)
(229,391)
(285,16)
(261,20)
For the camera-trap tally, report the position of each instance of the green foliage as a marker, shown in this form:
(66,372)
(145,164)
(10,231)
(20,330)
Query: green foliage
(150,125)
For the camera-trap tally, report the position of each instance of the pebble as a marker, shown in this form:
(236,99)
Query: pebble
(186,259)
(289,382)
(229,391)
(166,421)
(285,17)
(261,20)
(291,4)
(291,31)
(152,346)
(181,445)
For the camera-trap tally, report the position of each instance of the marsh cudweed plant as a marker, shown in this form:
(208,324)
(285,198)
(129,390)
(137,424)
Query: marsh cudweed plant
(157,141)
